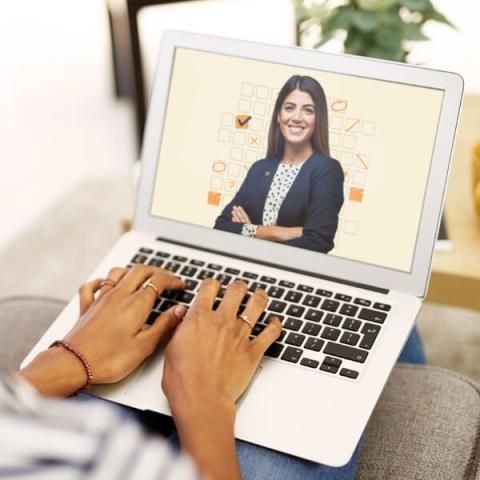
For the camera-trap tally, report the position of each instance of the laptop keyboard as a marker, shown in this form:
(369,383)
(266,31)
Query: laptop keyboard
(322,329)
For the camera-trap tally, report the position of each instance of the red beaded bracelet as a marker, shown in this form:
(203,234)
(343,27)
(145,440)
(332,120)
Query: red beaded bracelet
(84,361)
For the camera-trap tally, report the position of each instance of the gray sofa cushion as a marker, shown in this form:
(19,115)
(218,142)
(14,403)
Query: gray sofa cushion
(425,426)
(23,320)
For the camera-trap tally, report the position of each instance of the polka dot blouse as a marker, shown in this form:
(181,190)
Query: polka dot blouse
(281,183)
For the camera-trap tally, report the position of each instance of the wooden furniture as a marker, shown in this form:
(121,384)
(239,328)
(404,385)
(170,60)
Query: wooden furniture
(456,274)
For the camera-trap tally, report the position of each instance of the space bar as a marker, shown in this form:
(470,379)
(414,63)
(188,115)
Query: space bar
(343,351)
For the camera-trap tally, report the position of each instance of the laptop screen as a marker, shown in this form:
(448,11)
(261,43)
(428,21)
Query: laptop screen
(328,162)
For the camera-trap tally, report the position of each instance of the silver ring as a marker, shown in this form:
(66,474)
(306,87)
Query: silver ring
(148,283)
(246,320)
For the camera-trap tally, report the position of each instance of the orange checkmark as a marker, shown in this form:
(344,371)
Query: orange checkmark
(241,121)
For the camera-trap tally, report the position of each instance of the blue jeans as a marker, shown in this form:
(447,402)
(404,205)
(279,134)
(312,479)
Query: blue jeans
(259,463)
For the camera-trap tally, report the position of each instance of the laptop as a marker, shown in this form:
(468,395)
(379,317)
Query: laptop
(347,309)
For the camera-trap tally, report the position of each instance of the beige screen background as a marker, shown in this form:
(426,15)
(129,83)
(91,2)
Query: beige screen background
(216,126)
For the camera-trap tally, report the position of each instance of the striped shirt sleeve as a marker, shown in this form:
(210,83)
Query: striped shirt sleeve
(50,439)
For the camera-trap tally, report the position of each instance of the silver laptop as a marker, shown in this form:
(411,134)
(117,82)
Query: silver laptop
(348,308)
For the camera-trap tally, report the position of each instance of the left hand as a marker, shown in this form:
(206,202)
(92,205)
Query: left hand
(110,332)
(239,215)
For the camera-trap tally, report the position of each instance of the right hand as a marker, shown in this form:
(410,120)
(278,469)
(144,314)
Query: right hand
(210,359)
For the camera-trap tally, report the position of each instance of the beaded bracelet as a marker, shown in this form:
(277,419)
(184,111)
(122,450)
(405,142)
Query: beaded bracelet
(84,361)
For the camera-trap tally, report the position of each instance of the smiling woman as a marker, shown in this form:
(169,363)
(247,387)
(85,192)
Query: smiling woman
(294,195)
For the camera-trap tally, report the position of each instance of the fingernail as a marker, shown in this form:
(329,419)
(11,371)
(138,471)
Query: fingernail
(180,312)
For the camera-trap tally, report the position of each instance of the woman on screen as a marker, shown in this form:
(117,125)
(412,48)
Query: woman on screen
(294,195)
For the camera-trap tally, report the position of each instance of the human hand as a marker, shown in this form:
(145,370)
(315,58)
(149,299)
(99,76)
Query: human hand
(109,332)
(239,215)
(210,358)
(278,234)
(209,363)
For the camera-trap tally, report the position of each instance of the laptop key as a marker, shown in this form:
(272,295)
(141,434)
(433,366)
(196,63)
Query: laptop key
(188,271)
(232,271)
(348,309)
(344,351)
(216,304)
(139,259)
(180,258)
(371,328)
(274,350)
(314,315)
(330,333)
(172,266)
(311,301)
(330,305)
(152,317)
(332,320)
(363,303)
(351,324)
(162,254)
(284,283)
(308,362)
(328,368)
(314,344)
(311,329)
(305,288)
(382,306)
(170,294)
(292,324)
(271,315)
(346,372)
(295,339)
(166,305)
(250,275)
(148,251)
(276,292)
(156,262)
(333,361)
(257,329)
(185,297)
(324,293)
(197,263)
(295,310)
(214,266)
(265,278)
(256,285)
(190,284)
(293,296)
(292,354)
(342,297)
(223,279)
(205,274)
(372,315)
(350,338)
(277,306)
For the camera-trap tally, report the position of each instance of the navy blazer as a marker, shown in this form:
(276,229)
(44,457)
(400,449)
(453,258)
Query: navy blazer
(313,201)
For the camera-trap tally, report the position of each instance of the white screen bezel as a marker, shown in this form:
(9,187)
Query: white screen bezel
(416,281)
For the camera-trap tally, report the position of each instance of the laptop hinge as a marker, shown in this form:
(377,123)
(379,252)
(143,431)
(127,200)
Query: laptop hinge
(283,267)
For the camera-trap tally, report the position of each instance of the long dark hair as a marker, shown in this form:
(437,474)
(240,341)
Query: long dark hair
(276,142)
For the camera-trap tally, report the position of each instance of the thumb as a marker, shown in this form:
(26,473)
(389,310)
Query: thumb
(269,334)
(163,325)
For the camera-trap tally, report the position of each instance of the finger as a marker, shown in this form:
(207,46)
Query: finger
(86,294)
(235,216)
(254,308)
(232,299)
(164,324)
(269,334)
(137,275)
(115,274)
(206,296)
(153,287)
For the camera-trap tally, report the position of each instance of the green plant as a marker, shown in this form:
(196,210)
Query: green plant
(374,28)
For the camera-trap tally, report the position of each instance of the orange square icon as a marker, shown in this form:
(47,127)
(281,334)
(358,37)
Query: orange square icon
(214,198)
(241,121)
(356,194)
